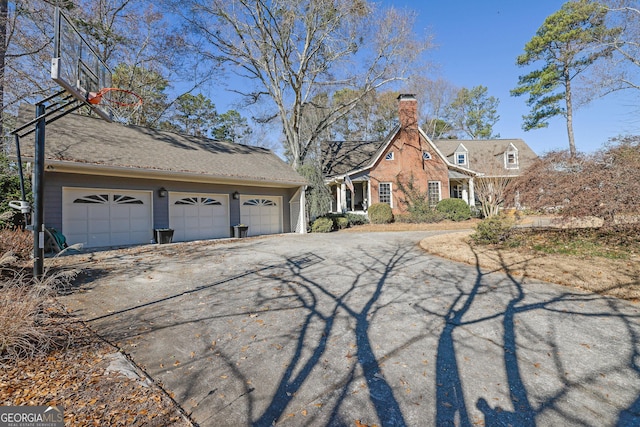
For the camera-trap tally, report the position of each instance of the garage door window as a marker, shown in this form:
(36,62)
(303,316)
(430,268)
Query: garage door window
(259,202)
(204,201)
(103,199)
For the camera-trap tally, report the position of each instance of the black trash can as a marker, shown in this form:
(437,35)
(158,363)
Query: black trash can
(164,235)
(240,231)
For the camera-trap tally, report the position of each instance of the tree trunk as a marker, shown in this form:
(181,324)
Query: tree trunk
(568,100)
(4,7)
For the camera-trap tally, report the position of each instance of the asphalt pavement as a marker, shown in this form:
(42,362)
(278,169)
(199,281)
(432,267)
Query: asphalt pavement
(345,328)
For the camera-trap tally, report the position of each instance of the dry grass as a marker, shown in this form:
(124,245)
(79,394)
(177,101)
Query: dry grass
(18,242)
(49,359)
(31,323)
(601,270)
(612,277)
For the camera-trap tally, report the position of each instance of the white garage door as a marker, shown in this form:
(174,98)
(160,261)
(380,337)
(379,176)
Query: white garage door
(195,216)
(263,214)
(97,217)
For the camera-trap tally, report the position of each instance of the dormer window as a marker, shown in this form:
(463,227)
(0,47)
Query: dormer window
(461,158)
(511,158)
(389,156)
(426,155)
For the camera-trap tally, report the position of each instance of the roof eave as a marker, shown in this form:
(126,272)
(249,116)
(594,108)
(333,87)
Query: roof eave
(185,176)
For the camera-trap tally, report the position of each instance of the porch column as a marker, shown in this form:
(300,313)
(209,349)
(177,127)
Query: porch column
(343,197)
(353,200)
(365,194)
(472,195)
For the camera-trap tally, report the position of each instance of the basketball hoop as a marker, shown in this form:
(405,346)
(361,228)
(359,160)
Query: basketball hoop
(123,104)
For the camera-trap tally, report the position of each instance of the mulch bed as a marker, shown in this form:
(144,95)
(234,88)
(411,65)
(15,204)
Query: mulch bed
(76,378)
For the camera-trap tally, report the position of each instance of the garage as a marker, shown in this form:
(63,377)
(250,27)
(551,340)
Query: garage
(98,217)
(263,214)
(197,216)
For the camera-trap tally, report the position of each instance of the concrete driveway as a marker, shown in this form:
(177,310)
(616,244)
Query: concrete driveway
(336,329)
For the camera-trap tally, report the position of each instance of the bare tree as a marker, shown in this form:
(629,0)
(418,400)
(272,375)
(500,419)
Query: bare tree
(624,14)
(25,52)
(145,51)
(292,50)
(491,190)
(434,96)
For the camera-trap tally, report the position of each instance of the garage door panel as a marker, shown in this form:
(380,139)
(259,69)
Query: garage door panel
(106,218)
(119,238)
(138,225)
(263,214)
(198,216)
(100,226)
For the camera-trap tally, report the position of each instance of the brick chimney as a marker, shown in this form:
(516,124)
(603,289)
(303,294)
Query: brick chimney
(408,112)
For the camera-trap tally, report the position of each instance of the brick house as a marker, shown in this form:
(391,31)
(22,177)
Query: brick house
(375,169)
(361,173)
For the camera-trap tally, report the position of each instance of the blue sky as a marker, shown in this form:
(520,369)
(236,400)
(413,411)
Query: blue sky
(477,44)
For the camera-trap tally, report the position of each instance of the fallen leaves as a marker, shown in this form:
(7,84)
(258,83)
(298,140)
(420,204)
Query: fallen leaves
(75,379)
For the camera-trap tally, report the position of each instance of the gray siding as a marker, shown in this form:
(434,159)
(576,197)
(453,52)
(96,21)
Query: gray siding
(54,182)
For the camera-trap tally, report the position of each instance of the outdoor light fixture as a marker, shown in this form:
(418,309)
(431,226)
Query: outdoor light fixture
(162,192)
(235,195)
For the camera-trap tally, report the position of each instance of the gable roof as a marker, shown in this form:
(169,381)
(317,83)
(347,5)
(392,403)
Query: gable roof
(88,141)
(348,157)
(486,155)
(340,157)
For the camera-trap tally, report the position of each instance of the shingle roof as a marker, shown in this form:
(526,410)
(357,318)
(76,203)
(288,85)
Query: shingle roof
(88,140)
(340,157)
(486,155)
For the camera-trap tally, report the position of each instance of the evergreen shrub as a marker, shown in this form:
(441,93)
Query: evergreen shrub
(322,225)
(454,209)
(380,213)
(493,230)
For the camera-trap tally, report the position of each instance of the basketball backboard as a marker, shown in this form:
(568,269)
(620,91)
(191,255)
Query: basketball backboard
(76,66)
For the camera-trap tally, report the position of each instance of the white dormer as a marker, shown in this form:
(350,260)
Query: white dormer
(511,157)
(461,156)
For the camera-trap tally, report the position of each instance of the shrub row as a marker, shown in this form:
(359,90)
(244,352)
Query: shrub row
(381,213)
(330,222)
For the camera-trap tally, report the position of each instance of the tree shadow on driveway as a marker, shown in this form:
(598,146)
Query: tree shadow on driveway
(544,378)
(382,334)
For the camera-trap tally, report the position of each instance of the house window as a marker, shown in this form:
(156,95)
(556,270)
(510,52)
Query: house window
(461,158)
(426,155)
(384,193)
(433,192)
(511,159)
(389,156)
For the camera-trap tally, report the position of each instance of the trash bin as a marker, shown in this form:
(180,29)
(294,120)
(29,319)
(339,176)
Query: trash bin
(164,235)
(240,230)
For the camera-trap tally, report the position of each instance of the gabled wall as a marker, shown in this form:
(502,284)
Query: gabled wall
(408,147)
